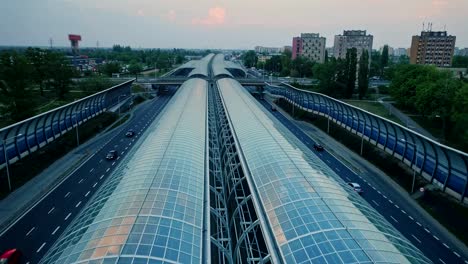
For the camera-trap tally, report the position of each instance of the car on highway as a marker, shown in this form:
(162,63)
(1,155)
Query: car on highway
(130,133)
(112,155)
(11,256)
(318,147)
(356,187)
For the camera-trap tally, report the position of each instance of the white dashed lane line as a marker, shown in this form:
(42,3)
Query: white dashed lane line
(39,249)
(102,176)
(66,195)
(86,195)
(113,163)
(30,231)
(68,215)
(419,241)
(419,224)
(442,261)
(78,204)
(51,209)
(445,245)
(108,169)
(94,185)
(100,161)
(394,219)
(56,229)
(375,202)
(91,170)
(348,179)
(436,238)
(456,254)
(80,181)
(427,230)
(403,211)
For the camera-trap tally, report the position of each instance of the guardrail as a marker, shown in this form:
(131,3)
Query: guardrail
(21,139)
(441,165)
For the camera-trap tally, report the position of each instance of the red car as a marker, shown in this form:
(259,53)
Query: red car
(11,256)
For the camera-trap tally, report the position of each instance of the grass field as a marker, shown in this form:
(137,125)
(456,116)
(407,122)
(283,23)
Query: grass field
(375,108)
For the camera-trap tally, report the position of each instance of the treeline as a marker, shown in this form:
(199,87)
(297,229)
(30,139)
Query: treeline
(436,95)
(21,73)
(121,58)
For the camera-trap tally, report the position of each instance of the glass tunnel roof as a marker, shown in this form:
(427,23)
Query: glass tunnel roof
(150,210)
(312,214)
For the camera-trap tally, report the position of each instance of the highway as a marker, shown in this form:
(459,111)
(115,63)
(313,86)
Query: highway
(386,201)
(37,229)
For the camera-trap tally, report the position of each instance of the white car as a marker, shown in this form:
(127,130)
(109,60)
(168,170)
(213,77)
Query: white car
(356,187)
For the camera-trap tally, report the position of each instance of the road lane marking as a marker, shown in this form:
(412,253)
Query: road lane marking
(445,245)
(390,201)
(436,238)
(397,206)
(337,169)
(379,192)
(68,194)
(403,211)
(442,261)
(348,179)
(56,229)
(51,209)
(328,162)
(416,238)
(100,161)
(122,154)
(418,224)
(126,148)
(427,230)
(393,219)
(384,196)
(113,163)
(130,143)
(410,217)
(119,156)
(102,176)
(91,170)
(80,181)
(375,202)
(456,254)
(86,195)
(39,249)
(68,215)
(107,169)
(94,185)
(30,231)
(78,204)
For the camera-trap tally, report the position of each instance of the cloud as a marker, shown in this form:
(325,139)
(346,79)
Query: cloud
(170,16)
(216,16)
(140,12)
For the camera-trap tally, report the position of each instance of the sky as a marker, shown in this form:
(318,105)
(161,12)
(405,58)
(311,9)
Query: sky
(225,24)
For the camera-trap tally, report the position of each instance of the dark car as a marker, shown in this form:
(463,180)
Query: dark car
(130,133)
(356,187)
(11,256)
(318,147)
(273,108)
(112,155)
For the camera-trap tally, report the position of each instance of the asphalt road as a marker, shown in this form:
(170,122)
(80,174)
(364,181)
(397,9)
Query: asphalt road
(387,202)
(37,230)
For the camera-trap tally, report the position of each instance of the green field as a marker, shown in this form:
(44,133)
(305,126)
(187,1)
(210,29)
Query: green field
(375,108)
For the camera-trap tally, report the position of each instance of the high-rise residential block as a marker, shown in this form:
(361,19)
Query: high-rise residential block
(352,39)
(432,48)
(310,46)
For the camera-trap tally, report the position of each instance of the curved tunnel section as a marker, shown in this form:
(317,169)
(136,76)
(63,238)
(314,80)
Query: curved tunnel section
(311,214)
(151,208)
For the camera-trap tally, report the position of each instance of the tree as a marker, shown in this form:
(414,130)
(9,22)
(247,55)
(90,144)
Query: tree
(110,68)
(384,59)
(16,98)
(363,81)
(37,58)
(59,73)
(351,63)
(460,62)
(250,58)
(274,64)
(135,68)
(326,56)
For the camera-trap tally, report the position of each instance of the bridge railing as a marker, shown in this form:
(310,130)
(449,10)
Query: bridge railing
(441,165)
(27,136)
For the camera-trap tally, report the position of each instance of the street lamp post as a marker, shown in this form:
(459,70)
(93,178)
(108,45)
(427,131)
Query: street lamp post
(76,127)
(7,161)
(118,101)
(415,149)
